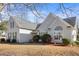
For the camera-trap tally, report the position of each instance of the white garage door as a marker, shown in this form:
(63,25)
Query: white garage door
(25,37)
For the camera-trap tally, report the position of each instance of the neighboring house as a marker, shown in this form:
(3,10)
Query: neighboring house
(2,35)
(2,32)
(20,29)
(59,28)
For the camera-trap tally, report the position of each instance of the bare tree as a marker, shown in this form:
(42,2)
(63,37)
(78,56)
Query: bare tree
(67,11)
(2,6)
(33,7)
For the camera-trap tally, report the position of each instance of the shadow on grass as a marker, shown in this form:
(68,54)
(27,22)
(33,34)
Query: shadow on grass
(27,43)
(52,44)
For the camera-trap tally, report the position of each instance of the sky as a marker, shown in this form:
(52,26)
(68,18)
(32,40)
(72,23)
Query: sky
(25,13)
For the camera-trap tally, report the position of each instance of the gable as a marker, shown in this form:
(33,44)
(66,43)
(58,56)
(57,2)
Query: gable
(24,24)
(47,22)
(51,18)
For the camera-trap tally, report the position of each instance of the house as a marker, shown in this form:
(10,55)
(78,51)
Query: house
(59,28)
(20,29)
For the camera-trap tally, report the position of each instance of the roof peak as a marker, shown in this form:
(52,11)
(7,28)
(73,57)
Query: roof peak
(24,23)
(70,20)
(21,19)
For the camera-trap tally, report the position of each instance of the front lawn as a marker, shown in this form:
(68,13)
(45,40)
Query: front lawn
(37,50)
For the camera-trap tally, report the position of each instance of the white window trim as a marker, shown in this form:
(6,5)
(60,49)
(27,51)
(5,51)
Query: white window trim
(24,31)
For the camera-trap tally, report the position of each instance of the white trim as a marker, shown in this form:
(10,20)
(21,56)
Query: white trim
(24,31)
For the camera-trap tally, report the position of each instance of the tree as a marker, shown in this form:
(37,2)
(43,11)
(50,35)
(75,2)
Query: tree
(2,6)
(3,25)
(34,8)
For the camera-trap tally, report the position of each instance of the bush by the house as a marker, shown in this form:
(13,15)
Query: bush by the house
(46,38)
(14,41)
(77,42)
(66,41)
(8,40)
(2,40)
(36,38)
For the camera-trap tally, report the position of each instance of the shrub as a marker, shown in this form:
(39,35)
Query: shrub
(46,38)
(66,41)
(8,40)
(36,38)
(77,42)
(14,41)
(2,40)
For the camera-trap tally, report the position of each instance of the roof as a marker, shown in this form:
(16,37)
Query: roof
(49,19)
(70,20)
(38,25)
(24,24)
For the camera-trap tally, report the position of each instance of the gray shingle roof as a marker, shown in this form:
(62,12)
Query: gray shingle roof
(38,25)
(24,23)
(70,20)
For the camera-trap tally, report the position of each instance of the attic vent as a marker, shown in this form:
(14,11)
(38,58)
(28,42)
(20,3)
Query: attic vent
(49,28)
(68,26)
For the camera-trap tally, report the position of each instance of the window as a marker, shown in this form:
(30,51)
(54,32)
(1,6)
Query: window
(58,37)
(9,35)
(58,28)
(41,33)
(14,35)
(12,24)
(58,33)
(68,26)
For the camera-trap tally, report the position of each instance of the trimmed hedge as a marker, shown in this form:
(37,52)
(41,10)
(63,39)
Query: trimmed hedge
(46,38)
(8,40)
(14,41)
(76,42)
(36,38)
(66,41)
(2,40)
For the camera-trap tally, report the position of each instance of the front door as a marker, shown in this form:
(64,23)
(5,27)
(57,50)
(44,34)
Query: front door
(58,34)
(57,37)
